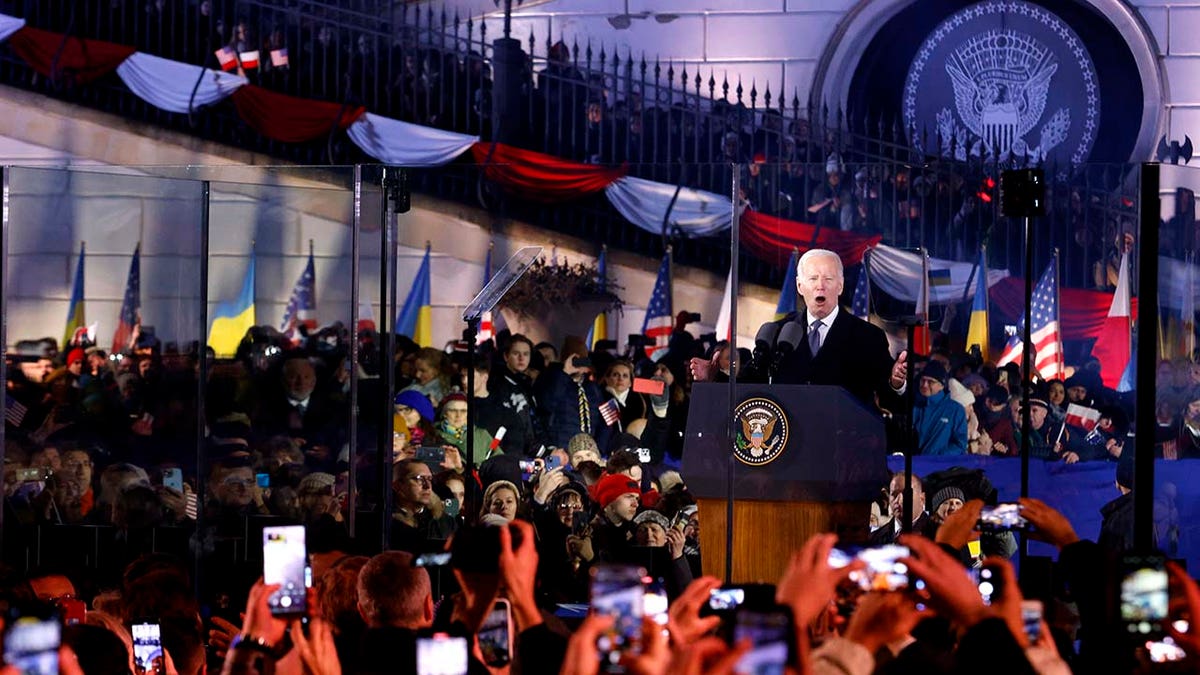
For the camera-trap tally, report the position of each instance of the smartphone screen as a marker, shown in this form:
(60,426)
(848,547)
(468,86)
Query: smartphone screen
(770,632)
(725,599)
(656,603)
(263,480)
(618,591)
(1144,596)
(173,478)
(31,645)
(1004,516)
(883,572)
(147,648)
(441,654)
(285,562)
(495,636)
(1031,619)
(432,560)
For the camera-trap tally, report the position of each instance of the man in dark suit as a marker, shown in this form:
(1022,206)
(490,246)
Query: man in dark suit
(921,524)
(838,348)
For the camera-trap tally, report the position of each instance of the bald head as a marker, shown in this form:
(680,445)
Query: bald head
(393,593)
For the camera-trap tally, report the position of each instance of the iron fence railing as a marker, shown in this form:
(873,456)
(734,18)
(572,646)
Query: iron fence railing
(669,122)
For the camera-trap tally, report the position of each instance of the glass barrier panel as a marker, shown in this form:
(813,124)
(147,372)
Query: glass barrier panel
(102,425)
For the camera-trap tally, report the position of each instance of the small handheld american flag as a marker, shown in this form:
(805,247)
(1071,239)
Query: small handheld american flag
(610,411)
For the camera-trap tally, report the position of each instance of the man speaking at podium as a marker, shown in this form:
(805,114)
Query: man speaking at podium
(822,344)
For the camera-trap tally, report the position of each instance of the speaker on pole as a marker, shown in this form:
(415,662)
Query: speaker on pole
(1022,193)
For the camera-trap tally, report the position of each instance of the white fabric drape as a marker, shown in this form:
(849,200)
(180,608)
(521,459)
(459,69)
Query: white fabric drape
(899,274)
(9,25)
(644,203)
(168,84)
(404,144)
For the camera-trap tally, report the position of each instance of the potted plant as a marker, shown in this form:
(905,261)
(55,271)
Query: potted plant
(554,300)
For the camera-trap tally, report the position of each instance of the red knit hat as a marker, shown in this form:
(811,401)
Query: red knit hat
(612,486)
(75,355)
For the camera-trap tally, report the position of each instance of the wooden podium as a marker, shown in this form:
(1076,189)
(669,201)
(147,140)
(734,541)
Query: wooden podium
(822,478)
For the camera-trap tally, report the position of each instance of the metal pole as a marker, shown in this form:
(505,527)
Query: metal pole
(201,384)
(1147,327)
(387,315)
(5,229)
(355,273)
(1027,373)
(731,427)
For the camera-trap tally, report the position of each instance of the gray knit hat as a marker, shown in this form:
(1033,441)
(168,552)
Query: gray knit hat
(947,493)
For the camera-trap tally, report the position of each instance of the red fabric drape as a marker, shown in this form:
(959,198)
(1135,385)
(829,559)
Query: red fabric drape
(291,119)
(79,59)
(542,177)
(1081,312)
(772,238)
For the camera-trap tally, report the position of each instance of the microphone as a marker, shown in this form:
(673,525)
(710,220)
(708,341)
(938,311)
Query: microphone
(789,338)
(764,343)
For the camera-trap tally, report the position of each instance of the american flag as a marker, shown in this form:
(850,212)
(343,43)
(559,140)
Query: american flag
(130,322)
(860,306)
(279,57)
(1047,341)
(14,412)
(610,411)
(659,318)
(302,306)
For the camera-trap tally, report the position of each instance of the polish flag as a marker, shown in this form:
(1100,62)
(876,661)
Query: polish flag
(724,330)
(1112,347)
(249,60)
(1082,416)
(227,58)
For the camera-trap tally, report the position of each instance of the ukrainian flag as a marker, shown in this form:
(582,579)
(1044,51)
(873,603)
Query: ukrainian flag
(788,299)
(231,320)
(977,330)
(416,318)
(599,329)
(75,309)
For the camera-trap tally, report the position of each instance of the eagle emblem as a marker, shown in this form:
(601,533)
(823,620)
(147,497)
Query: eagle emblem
(1001,79)
(762,431)
(1006,81)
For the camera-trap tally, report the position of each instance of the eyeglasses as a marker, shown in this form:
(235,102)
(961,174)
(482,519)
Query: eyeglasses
(574,506)
(237,482)
(425,481)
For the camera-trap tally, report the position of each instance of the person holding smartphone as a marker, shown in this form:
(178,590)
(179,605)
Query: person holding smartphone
(420,522)
(568,399)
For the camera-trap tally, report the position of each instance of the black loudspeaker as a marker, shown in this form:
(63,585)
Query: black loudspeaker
(1022,193)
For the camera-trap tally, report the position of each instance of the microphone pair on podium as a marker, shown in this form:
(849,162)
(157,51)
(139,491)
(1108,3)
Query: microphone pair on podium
(773,343)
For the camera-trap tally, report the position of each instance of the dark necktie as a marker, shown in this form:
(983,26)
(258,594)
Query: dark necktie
(814,336)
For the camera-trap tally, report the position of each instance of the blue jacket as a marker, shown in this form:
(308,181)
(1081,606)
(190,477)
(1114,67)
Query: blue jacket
(941,425)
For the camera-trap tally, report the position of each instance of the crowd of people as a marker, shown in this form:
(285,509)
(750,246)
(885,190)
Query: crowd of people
(552,471)
(927,612)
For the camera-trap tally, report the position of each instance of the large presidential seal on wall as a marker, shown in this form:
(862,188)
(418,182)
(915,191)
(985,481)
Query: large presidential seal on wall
(1003,80)
(762,431)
